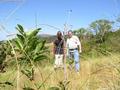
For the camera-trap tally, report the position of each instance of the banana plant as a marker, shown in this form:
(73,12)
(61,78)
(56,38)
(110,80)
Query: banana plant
(30,46)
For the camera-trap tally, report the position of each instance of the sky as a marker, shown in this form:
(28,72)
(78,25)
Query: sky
(53,14)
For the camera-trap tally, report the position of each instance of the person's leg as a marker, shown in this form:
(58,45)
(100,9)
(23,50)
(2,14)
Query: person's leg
(71,61)
(76,59)
(61,61)
(56,61)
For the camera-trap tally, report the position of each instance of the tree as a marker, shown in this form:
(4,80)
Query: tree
(80,33)
(100,28)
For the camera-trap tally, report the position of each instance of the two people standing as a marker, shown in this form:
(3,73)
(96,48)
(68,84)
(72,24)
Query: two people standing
(73,47)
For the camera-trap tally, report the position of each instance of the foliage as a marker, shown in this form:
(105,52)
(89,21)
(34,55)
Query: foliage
(2,54)
(29,46)
(5,84)
(101,40)
(5,50)
(80,33)
(62,85)
(28,73)
(101,27)
(28,88)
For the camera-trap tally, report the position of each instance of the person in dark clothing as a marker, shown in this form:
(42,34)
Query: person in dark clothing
(58,50)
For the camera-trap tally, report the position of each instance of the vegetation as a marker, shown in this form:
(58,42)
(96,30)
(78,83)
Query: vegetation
(28,61)
(29,46)
(5,50)
(99,39)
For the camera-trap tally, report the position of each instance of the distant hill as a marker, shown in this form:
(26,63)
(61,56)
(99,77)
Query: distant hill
(49,38)
(45,35)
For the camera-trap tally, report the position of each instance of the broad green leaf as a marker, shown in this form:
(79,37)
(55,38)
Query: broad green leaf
(43,44)
(18,45)
(20,29)
(34,33)
(21,38)
(40,57)
(54,88)
(39,46)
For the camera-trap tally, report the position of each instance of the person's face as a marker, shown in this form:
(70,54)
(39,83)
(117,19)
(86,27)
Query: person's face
(69,34)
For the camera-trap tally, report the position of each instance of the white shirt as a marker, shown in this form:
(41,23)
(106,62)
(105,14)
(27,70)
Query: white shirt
(73,42)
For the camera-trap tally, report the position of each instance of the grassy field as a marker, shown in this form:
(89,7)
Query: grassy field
(101,73)
(28,68)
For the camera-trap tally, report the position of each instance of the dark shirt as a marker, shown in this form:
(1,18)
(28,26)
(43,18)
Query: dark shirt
(59,46)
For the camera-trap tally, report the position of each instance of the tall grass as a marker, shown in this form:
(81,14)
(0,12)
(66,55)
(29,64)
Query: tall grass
(95,74)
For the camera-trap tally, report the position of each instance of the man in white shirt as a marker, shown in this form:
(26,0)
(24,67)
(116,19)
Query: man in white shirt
(73,48)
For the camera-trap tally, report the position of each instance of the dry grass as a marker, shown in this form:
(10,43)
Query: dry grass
(95,74)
